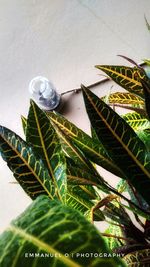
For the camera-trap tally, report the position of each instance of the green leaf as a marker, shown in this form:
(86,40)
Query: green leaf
(137,121)
(77,175)
(42,135)
(146,88)
(124,146)
(94,136)
(80,198)
(91,149)
(51,234)
(74,152)
(26,166)
(122,186)
(125,98)
(24,124)
(139,258)
(145,137)
(117,213)
(80,176)
(113,242)
(127,77)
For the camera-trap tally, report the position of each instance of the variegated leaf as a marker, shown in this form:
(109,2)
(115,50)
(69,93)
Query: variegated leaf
(92,150)
(114,242)
(137,121)
(125,98)
(42,135)
(139,258)
(127,77)
(53,235)
(122,143)
(80,198)
(27,167)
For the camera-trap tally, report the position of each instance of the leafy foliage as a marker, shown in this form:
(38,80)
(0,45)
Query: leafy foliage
(93,150)
(28,169)
(121,142)
(137,121)
(60,161)
(127,77)
(52,229)
(45,142)
(125,98)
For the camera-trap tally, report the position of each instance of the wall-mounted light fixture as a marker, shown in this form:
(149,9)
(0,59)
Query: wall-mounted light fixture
(43,92)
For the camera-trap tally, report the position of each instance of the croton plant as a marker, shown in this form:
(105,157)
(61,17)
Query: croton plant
(56,165)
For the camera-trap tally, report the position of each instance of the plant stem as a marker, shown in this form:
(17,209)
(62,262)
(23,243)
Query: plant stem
(90,86)
(126,199)
(117,237)
(76,90)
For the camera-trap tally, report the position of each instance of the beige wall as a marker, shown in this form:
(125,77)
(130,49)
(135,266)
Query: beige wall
(62,40)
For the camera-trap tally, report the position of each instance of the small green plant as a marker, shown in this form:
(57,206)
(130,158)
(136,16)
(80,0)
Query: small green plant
(56,167)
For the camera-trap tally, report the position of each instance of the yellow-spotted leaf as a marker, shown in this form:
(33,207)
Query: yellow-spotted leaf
(127,77)
(119,139)
(137,121)
(43,137)
(27,167)
(125,98)
(138,258)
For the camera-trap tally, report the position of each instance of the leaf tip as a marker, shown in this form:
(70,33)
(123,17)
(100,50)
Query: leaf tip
(31,101)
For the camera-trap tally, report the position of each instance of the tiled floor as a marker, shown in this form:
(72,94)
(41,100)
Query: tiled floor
(62,40)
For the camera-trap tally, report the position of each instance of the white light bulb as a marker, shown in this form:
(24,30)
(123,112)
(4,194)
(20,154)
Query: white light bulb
(43,92)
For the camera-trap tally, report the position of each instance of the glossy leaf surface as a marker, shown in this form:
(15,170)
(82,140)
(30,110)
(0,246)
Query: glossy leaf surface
(52,229)
(127,77)
(124,146)
(80,198)
(27,167)
(93,150)
(41,134)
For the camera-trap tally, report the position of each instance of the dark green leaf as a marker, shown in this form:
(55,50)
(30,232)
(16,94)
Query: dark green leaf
(124,146)
(27,168)
(146,88)
(91,149)
(41,134)
(145,137)
(80,198)
(77,175)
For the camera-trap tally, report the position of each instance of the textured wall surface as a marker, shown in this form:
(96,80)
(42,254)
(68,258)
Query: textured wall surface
(62,40)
